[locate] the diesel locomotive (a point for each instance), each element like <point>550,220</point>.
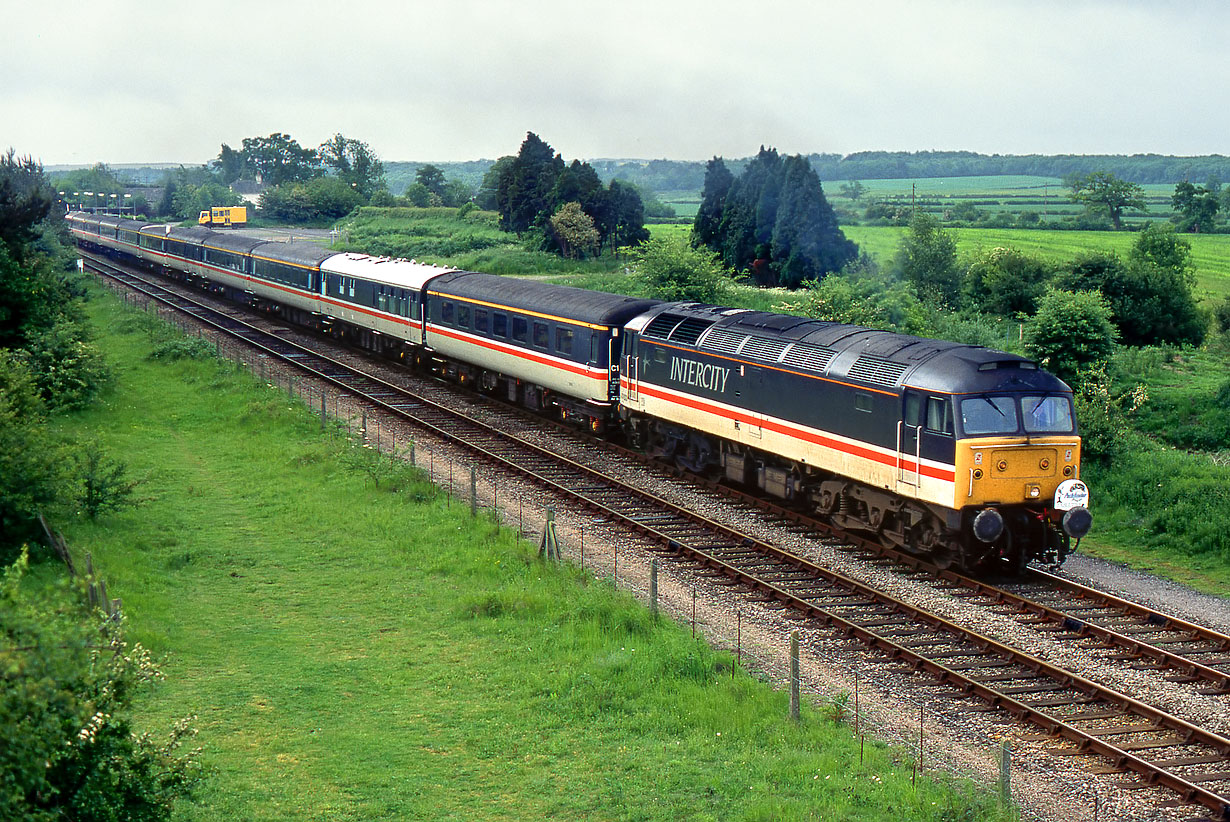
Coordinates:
<point>959,453</point>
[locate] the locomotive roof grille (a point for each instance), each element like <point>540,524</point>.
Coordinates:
<point>689,331</point>
<point>662,325</point>
<point>764,348</point>
<point>877,370</point>
<point>723,341</point>
<point>811,357</point>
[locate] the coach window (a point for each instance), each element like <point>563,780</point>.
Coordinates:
<point>480,320</point>
<point>350,289</point>
<point>542,335</point>
<point>446,312</point>
<point>521,329</point>
<point>563,340</point>
<point>939,415</point>
<point>382,300</point>
<point>499,324</point>
<point>463,316</point>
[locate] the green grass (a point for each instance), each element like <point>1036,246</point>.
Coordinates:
<point>355,653</point>
<point>1210,252</point>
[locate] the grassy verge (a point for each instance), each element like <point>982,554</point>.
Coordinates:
<point>364,653</point>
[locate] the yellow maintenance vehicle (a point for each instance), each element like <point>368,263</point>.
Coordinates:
<point>224,217</point>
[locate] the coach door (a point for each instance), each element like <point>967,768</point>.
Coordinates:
<point>909,439</point>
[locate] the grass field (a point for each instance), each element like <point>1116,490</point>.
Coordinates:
<point>1210,252</point>
<point>355,653</point>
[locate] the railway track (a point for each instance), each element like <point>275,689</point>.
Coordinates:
<point>1135,737</point>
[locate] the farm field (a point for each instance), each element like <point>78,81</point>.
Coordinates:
<point>1210,252</point>
<point>360,652</point>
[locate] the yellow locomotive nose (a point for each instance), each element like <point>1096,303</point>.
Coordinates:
<point>1012,470</point>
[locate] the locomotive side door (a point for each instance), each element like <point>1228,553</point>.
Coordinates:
<point>909,438</point>
<point>632,365</point>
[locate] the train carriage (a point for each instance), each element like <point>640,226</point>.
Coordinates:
<point>381,295</point>
<point>550,347</point>
<point>286,275</point>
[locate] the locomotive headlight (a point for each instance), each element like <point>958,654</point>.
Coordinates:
<point>988,525</point>
<point>1044,463</point>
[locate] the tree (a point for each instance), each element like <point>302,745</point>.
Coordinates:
<point>279,158</point>
<point>1149,294</point>
<point>671,269</point>
<point>523,197</point>
<point>488,190</point>
<point>230,165</point>
<point>1071,331</point>
<point>1103,191</point>
<point>1006,281</point>
<point>718,180</point>
<point>624,216</point>
<point>577,183</point>
<point>574,231</point>
<point>188,201</point>
<point>853,190</point>
<point>927,258</point>
<point>67,744</point>
<point>25,199</point>
<point>1197,205</point>
<point>354,163</point>
<point>31,474</point>
<point>774,222</point>
<point>806,242</point>
<point>431,178</point>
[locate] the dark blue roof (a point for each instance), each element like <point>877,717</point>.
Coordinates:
<point>596,307</point>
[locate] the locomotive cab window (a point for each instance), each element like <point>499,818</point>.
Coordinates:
<point>913,410</point>
<point>989,415</point>
<point>939,415</point>
<point>1047,415</point>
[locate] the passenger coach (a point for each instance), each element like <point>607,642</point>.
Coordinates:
<point>550,347</point>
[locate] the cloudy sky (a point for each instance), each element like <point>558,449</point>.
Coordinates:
<point>170,81</point>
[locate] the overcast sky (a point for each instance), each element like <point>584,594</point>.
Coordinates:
<point>168,81</point>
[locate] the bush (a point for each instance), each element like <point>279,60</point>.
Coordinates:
<point>1104,416</point>
<point>1071,332</point>
<point>67,746</point>
<point>183,348</point>
<point>671,269</point>
<point>68,370</point>
<point>1221,316</point>
<point>1006,281</point>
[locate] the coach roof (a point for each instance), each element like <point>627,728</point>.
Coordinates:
<point>595,307</point>
<point>309,255</point>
